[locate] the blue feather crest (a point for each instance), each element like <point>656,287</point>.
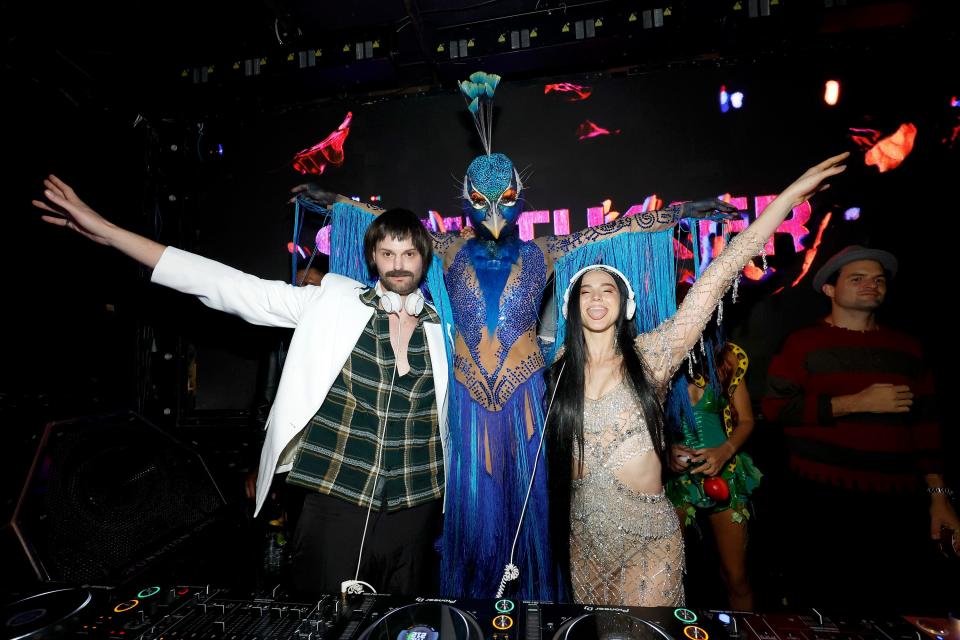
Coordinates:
<point>478,91</point>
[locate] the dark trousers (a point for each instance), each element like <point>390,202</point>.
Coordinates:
<point>398,555</point>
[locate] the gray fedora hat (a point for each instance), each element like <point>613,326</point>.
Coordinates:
<point>851,254</point>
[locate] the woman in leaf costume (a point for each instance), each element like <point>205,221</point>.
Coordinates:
<point>715,477</point>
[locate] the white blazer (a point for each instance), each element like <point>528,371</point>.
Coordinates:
<point>327,322</point>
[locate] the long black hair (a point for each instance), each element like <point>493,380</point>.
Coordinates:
<point>565,422</point>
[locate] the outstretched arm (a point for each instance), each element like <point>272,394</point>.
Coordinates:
<point>314,193</point>
<point>218,286</point>
<point>648,221</point>
<point>65,209</point>
<point>665,348</point>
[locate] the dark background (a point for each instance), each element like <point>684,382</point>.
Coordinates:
<point>111,99</point>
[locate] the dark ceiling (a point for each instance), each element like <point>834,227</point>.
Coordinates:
<point>131,55</point>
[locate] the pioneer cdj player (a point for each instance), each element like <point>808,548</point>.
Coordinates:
<point>156,612</point>
<point>159,612</point>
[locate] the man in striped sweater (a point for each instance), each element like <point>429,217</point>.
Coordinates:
<point>863,441</point>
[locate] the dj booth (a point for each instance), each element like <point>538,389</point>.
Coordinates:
<point>115,501</point>
<point>182,612</point>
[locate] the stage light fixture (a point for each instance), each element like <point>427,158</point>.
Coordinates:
<point>653,18</point>
<point>831,92</point>
<point>730,100</point>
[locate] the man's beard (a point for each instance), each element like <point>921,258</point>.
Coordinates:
<point>389,285</point>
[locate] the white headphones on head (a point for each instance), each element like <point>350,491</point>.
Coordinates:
<point>391,303</point>
<point>631,307</point>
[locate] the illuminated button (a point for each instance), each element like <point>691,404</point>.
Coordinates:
<point>149,591</point>
<point>126,606</point>
<point>695,633</point>
<point>502,622</point>
<point>685,615</point>
<point>724,618</point>
<point>504,606</point>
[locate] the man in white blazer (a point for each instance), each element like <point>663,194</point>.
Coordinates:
<point>360,412</point>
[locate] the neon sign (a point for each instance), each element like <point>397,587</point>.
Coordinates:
<point>710,234</point>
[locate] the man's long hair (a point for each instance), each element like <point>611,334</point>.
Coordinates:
<point>565,423</point>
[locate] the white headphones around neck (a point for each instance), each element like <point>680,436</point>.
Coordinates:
<point>631,307</point>
<point>391,302</point>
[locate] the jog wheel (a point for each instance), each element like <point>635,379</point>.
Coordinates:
<point>608,625</point>
<point>44,615</point>
<point>425,621</point>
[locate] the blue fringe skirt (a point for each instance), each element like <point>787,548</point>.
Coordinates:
<point>492,455</point>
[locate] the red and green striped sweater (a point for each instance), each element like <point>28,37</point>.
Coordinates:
<point>880,452</point>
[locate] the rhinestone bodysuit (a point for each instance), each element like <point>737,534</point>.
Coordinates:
<point>625,547</point>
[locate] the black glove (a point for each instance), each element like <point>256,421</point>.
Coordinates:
<point>713,209</point>
<point>313,192</point>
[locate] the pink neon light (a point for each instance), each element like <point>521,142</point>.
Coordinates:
<point>954,102</point>
<point>437,222</point>
<point>706,229</point>
<point>327,152</point>
<point>529,218</point>
<point>812,251</point>
<point>453,223</point>
<point>570,92</point>
<point>739,223</point>
<point>759,204</point>
<point>795,225</point>
<point>588,129</point>
<point>561,222</point>
<point>323,239</point>
<point>887,154</point>
<point>594,216</point>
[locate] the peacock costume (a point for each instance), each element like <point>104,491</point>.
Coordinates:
<point>487,291</point>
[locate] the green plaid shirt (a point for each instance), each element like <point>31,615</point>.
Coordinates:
<point>339,450</point>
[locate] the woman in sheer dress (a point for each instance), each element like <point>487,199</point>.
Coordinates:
<point>616,535</point>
